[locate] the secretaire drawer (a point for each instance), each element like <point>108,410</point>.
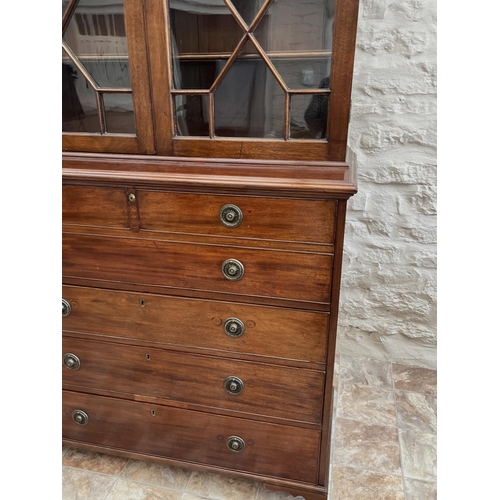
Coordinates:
<point>206,381</point>
<point>207,324</point>
<point>95,206</point>
<point>300,276</point>
<point>309,221</point>
<point>235,443</point>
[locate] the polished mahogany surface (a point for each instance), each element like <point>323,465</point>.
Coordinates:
<point>203,207</point>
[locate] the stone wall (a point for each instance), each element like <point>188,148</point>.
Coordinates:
<point>388,299</point>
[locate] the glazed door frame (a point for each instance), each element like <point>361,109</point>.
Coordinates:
<point>331,149</point>
<point>143,141</point>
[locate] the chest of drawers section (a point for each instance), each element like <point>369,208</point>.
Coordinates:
<point>197,329</point>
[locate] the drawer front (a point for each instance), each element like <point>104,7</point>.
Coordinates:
<point>277,391</point>
<point>271,449</point>
<point>267,273</point>
<point>266,331</point>
<point>105,207</point>
<point>309,221</point>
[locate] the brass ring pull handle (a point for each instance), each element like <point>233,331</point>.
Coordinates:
<point>235,443</point>
<point>66,308</point>
<point>71,361</point>
<point>234,385</point>
<point>233,270</point>
<point>230,215</point>
<point>80,417</point>
<point>234,327</point>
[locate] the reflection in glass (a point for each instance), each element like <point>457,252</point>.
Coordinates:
<point>249,101</point>
<point>96,34</point>
<point>79,106</point>
<point>119,112</point>
<point>297,36</point>
<point>248,9</point>
<point>308,115</point>
<point>191,114</point>
<point>96,38</point>
<point>203,35</point>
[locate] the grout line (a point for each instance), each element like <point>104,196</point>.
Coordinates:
<point>360,356</point>
<point>399,439</point>
<point>128,479</point>
<point>110,489</point>
<point>256,491</point>
<point>416,392</point>
<point>371,471</point>
<point>369,423</point>
<point>91,471</point>
<point>124,467</point>
<point>430,481</point>
<point>187,482</point>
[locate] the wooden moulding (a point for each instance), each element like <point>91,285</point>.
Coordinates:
<point>309,179</point>
<point>309,492</point>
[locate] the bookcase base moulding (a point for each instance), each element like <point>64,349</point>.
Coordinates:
<point>200,303</point>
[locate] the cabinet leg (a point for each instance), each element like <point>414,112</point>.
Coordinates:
<point>300,492</point>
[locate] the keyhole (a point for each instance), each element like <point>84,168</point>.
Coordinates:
<point>143,303</point>
<point>148,357</point>
<point>153,412</point>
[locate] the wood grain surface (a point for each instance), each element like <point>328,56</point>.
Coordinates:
<point>164,320</point>
<point>279,274</point>
<point>310,221</point>
<point>271,449</point>
<point>279,391</point>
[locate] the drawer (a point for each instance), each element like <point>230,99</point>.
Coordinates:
<point>308,221</point>
<point>265,331</point>
<point>267,390</point>
<point>297,276</point>
<point>105,207</point>
<point>192,436</point>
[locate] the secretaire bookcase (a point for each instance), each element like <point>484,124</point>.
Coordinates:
<point>204,195</point>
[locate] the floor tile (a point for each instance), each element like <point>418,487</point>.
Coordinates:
<point>415,379</point>
<point>220,487</point>
<point>416,412</point>
<point>189,496</point>
<point>130,490</point>
<point>64,450</point>
<point>79,484</point>
<point>372,405</point>
<point>373,447</point>
<point>96,462</point>
<point>153,473</point>
<point>357,484</point>
<point>336,367</point>
<point>264,494</point>
<point>420,490</point>
<point>365,371</point>
<point>418,455</point>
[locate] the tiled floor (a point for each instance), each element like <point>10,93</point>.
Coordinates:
<point>384,448</point>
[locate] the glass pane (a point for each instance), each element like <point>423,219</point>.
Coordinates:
<point>191,115</point>
<point>204,35</point>
<point>308,116</point>
<point>249,101</point>
<point>79,106</point>
<point>96,34</point>
<point>248,9</point>
<point>119,111</point>
<point>297,36</point>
